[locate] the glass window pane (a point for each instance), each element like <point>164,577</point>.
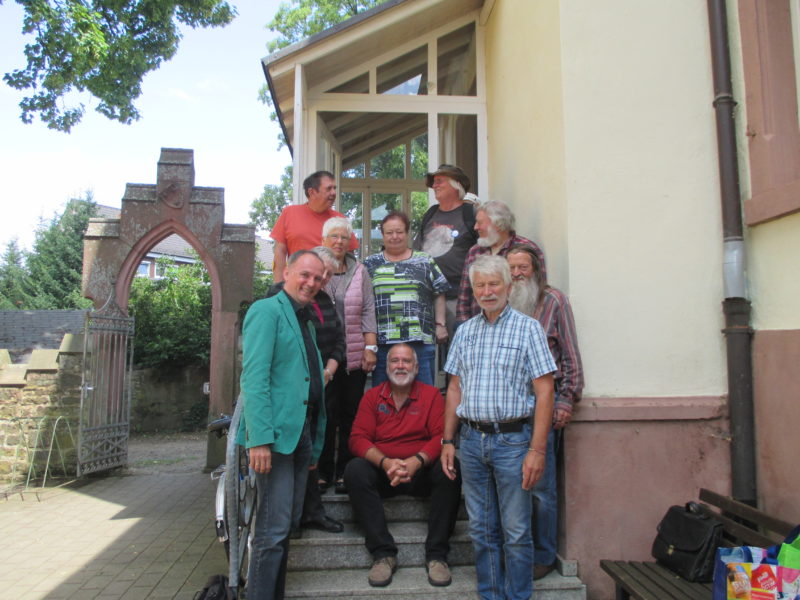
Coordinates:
<point>419,157</point>
<point>382,205</point>
<point>356,172</point>
<point>357,85</point>
<point>456,70</point>
<point>419,204</point>
<point>458,145</point>
<point>389,165</point>
<point>406,75</point>
<point>351,205</point>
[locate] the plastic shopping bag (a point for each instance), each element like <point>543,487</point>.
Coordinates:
<point>752,573</point>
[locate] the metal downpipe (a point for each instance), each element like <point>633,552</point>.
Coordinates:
<point>736,307</point>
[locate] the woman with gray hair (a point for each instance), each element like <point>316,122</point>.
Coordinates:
<point>350,287</point>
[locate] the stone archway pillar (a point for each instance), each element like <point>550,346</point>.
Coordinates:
<point>114,248</point>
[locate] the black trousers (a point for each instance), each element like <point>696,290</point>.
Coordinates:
<point>368,485</point>
<point>342,397</point>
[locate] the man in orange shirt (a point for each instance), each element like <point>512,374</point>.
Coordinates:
<point>299,227</point>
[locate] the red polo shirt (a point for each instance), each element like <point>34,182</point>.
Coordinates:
<point>300,228</point>
<point>416,427</point>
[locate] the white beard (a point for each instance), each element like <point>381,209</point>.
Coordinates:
<point>524,293</point>
<point>492,237</point>
<point>401,380</point>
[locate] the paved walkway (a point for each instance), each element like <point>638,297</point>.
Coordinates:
<point>128,537</point>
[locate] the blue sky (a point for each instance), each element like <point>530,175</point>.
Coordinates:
<point>205,99</point>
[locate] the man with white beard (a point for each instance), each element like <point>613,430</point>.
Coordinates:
<point>494,223</point>
<point>395,442</point>
<point>531,295</point>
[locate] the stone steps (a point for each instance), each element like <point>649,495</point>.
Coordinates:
<point>412,583</point>
<point>324,566</point>
<point>321,550</point>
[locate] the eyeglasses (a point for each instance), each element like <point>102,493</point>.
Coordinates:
<point>337,238</point>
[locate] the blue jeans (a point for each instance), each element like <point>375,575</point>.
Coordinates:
<point>426,357</point>
<point>278,508</point>
<point>545,508</point>
<point>499,512</point>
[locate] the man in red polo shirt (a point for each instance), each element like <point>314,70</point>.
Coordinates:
<point>299,226</point>
<point>395,442</point>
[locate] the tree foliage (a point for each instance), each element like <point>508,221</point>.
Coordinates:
<point>299,19</point>
<point>55,264</point>
<point>13,279</point>
<point>266,209</point>
<point>49,276</point>
<point>103,47</point>
<point>173,316</point>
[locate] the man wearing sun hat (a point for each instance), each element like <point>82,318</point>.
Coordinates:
<point>447,230</point>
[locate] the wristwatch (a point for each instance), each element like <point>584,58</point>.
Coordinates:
<point>444,441</point>
<point>371,348</point>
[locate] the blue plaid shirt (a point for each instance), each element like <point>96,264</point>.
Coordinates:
<point>496,363</point>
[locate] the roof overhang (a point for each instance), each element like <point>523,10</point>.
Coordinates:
<point>346,45</point>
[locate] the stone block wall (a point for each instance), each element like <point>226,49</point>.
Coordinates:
<point>170,400</point>
<point>33,396</point>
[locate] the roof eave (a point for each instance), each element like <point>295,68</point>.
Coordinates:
<point>279,55</point>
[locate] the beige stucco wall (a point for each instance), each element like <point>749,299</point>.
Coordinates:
<point>774,273</point>
<point>525,124</point>
<point>609,161</point>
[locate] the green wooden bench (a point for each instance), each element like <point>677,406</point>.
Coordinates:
<point>743,526</point>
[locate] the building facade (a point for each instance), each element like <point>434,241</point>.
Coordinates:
<point>595,122</point>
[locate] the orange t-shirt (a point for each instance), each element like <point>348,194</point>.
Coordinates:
<point>300,228</point>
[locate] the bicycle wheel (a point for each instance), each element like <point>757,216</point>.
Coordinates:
<point>246,514</point>
<point>240,502</point>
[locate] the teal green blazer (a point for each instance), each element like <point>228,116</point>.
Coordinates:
<point>275,378</point>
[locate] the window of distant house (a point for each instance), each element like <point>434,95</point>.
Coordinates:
<point>144,269</point>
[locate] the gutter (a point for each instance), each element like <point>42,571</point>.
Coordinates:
<point>735,306</point>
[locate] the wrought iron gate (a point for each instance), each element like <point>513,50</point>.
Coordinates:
<point>105,389</point>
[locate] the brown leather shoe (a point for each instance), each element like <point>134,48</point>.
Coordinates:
<point>380,575</point>
<point>438,573</point>
<point>540,571</point>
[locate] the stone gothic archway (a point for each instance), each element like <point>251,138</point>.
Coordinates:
<point>113,249</point>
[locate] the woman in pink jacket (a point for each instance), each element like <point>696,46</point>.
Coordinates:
<point>351,290</point>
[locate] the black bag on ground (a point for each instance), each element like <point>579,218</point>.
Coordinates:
<point>216,589</point>
<point>687,542</point>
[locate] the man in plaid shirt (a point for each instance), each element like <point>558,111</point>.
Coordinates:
<point>531,295</point>
<point>494,360</point>
<point>494,223</point>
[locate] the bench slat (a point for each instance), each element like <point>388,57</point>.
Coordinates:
<point>729,505</point>
<point>622,574</point>
<point>650,581</point>
<point>674,584</point>
<point>744,535</point>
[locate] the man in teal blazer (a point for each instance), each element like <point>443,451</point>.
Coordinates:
<point>284,416</point>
